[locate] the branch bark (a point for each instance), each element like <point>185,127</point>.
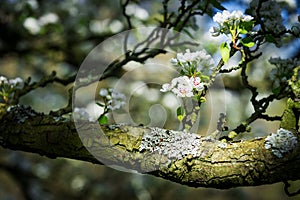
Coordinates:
<point>205,163</point>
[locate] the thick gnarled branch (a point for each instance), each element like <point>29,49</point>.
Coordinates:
<point>180,157</point>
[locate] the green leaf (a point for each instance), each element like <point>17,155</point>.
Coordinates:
<point>225,52</point>
<point>232,134</point>
<point>182,73</point>
<point>247,42</point>
<point>245,27</point>
<point>204,78</point>
<point>180,113</point>
<point>103,120</point>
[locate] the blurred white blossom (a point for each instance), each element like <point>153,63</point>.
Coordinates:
<point>137,11</point>
<point>113,99</point>
<point>117,100</point>
<point>81,114</point>
<point>103,92</point>
<point>3,80</point>
<point>49,18</point>
<point>34,25</point>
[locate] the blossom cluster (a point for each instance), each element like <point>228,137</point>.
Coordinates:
<point>194,67</point>
<point>199,61</point>
<point>281,142</point>
<point>114,100</point>
<point>199,58</point>
<point>183,86</point>
<point>228,21</point>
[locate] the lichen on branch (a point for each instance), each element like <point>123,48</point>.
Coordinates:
<point>180,157</point>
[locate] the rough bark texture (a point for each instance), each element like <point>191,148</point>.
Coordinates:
<point>208,163</point>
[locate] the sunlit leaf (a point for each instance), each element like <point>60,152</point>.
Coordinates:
<point>245,27</point>
<point>180,113</point>
<point>202,99</point>
<point>225,52</point>
<point>232,134</point>
<point>103,120</point>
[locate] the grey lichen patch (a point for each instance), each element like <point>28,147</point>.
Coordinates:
<point>19,113</point>
<point>281,142</point>
<point>117,126</point>
<point>172,144</point>
<point>63,118</point>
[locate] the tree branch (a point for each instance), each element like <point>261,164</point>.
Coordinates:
<point>183,157</point>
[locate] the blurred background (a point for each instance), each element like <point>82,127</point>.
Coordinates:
<point>38,37</point>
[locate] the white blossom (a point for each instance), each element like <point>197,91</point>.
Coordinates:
<point>190,57</point>
<point>201,60</point>
<point>166,87</point>
<point>183,91</point>
<point>32,25</point>
<point>197,83</point>
<point>49,18</point>
<point>137,11</point>
<point>115,99</point>
<point>16,82</point>
<point>184,86</point>
<point>228,19</point>
<point>103,92</point>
